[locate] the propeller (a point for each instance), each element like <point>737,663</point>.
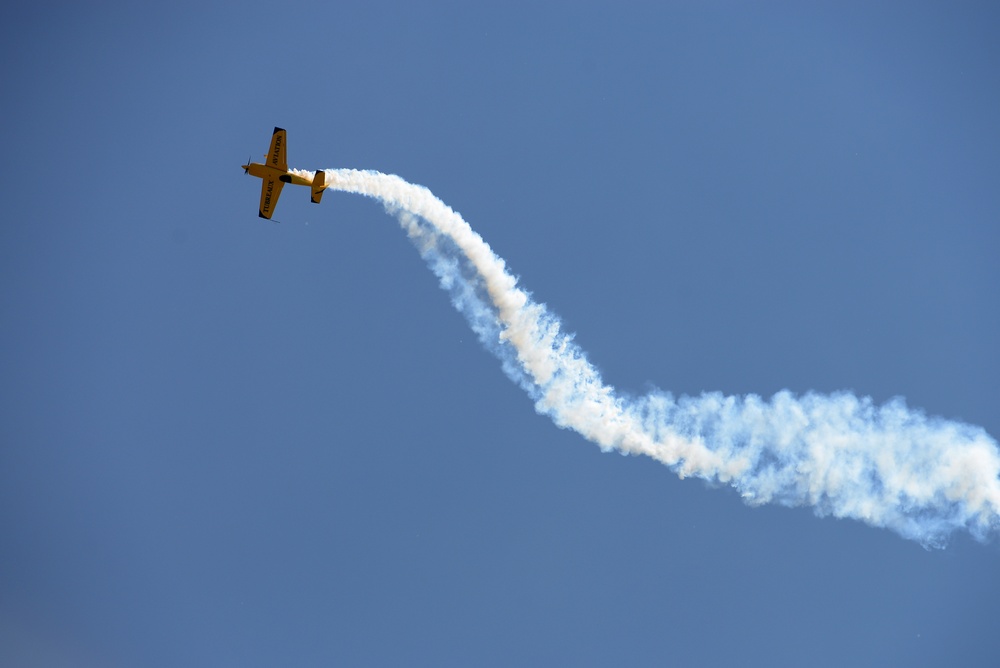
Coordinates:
<point>246,170</point>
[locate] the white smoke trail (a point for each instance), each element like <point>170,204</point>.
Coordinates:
<point>889,466</point>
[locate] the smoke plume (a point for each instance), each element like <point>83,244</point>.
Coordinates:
<point>887,465</point>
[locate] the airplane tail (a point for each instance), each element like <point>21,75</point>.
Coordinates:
<point>318,186</point>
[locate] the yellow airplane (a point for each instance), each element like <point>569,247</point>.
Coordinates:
<point>275,175</point>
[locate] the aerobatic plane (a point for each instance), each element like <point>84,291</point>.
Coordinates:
<point>274,174</point>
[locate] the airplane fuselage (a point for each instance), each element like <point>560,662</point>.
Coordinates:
<point>269,173</point>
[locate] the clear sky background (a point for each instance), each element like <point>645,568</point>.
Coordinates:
<point>225,441</point>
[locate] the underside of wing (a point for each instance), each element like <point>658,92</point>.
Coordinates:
<point>270,189</point>
<point>276,157</point>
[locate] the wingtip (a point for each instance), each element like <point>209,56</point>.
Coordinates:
<point>277,130</point>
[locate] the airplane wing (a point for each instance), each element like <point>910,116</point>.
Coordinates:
<point>270,190</point>
<point>276,156</point>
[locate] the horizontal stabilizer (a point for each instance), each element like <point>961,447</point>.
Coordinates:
<point>318,186</point>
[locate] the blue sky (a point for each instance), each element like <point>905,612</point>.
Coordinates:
<point>232,442</point>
